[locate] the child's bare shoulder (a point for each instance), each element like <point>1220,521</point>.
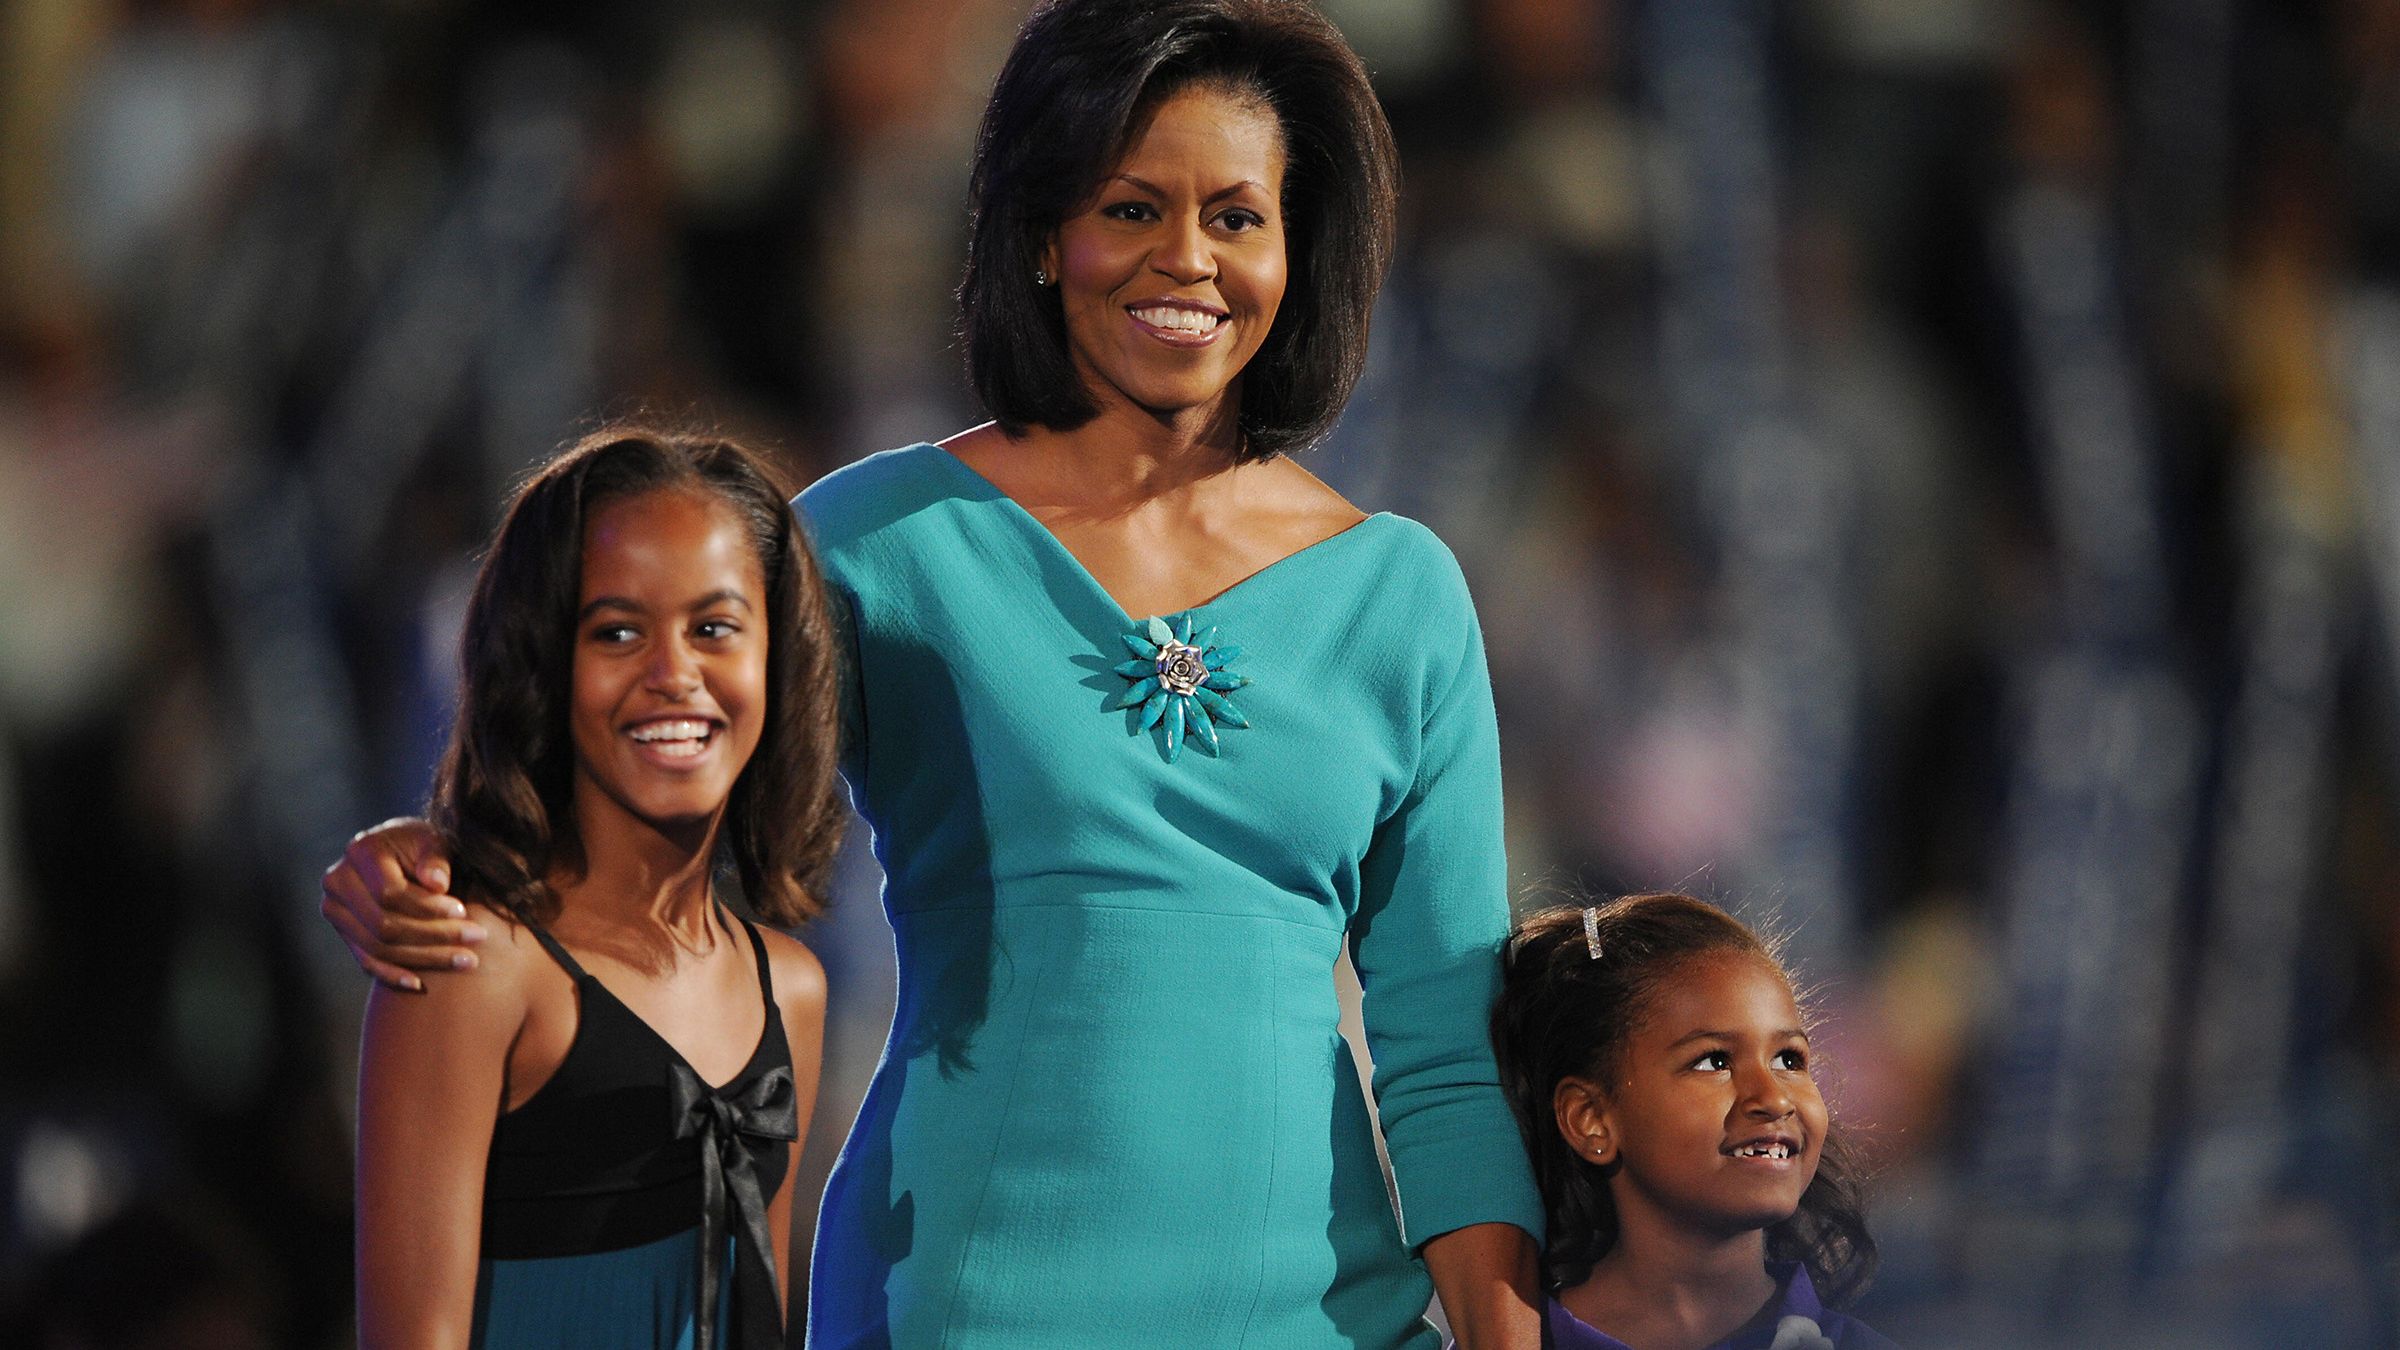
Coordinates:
<point>799,976</point>
<point>507,959</point>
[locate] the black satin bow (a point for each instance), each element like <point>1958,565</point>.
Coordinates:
<point>764,1110</point>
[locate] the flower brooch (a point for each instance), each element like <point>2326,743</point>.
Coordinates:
<point>1181,681</point>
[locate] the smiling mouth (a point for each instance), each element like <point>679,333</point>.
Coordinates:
<point>1178,323</point>
<point>1773,1150</point>
<point>675,738</point>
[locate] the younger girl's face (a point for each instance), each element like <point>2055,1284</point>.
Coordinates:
<point>670,661</point>
<point>1712,1113</point>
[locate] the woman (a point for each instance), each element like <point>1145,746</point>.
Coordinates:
<point>1149,722</point>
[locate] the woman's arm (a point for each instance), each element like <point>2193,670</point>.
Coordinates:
<point>1487,1277</point>
<point>431,1077</point>
<point>1433,910</point>
<point>389,899</point>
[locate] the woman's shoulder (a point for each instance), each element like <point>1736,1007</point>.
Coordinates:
<point>874,492</point>
<point>1397,550</point>
<point>1413,544</point>
<point>1413,585</point>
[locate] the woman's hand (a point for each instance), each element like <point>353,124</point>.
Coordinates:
<point>389,898</point>
<point>1490,1290</point>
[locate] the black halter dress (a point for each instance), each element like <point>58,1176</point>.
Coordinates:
<point>625,1202</point>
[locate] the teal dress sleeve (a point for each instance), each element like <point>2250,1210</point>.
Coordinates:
<point>1433,909</point>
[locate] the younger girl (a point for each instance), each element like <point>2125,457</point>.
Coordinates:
<point>583,1142</point>
<point>1659,1067</point>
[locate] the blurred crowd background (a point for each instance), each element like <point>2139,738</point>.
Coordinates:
<point>1929,469</point>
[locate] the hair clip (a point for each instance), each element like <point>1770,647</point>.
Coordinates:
<point>1591,930</point>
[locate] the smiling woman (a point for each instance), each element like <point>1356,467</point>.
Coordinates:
<point>1242,725</point>
<point>1170,276</point>
<point>1081,89</point>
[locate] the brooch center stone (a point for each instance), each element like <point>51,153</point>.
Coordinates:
<point>1181,668</point>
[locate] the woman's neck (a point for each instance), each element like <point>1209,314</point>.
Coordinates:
<point>1127,457</point>
<point>1669,1290</point>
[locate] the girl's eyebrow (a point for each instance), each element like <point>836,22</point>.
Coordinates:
<point>601,602</point>
<point>722,595</point>
<point>1783,1034</point>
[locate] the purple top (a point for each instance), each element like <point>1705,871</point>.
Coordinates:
<point>1795,1296</point>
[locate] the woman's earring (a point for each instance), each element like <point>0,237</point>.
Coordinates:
<point>1040,277</point>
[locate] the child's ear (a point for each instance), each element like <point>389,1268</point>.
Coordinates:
<point>1584,1120</point>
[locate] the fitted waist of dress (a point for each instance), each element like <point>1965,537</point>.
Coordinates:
<point>1118,979</point>
<point>1204,900</point>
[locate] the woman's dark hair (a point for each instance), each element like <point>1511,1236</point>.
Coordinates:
<point>1076,90</point>
<point>503,797</point>
<point>1564,1014</point>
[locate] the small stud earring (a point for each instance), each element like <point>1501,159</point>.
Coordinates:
<point>1040,277</point>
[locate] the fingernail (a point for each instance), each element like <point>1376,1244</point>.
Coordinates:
<point>414,985</point>
<point>463,961</point>
<point>439,876</point>
<point>471,933</point>
<point>457,910</point>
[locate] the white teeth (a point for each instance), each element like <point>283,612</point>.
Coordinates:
<point>1179,319</point>
<point>680,730</point>
<point>1776,1151</point>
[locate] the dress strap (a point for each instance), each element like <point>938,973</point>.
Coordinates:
<point>758,949</point>
<point>557,952</point>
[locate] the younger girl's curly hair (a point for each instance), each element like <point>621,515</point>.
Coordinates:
<point>503,797</point>
<point>1564,1013</point>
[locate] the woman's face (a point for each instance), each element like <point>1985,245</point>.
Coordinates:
<point>670,674</point>
<point>1171,273</point>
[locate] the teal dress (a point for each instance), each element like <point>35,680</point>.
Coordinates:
<point>1115,1106</point>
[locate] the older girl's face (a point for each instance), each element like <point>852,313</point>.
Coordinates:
<point>1170,275</point>
<point>670,672</point>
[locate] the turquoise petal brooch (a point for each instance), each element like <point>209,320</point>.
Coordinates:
<point>1180,680</point>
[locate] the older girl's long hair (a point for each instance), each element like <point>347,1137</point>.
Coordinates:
<point>1564,1014</point>
<point>503,797</point>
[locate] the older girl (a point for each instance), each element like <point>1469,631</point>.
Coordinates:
<point>583,1142</point>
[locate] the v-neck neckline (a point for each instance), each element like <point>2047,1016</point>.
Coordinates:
<point>1125,617</point>
<point>749,1066</point>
